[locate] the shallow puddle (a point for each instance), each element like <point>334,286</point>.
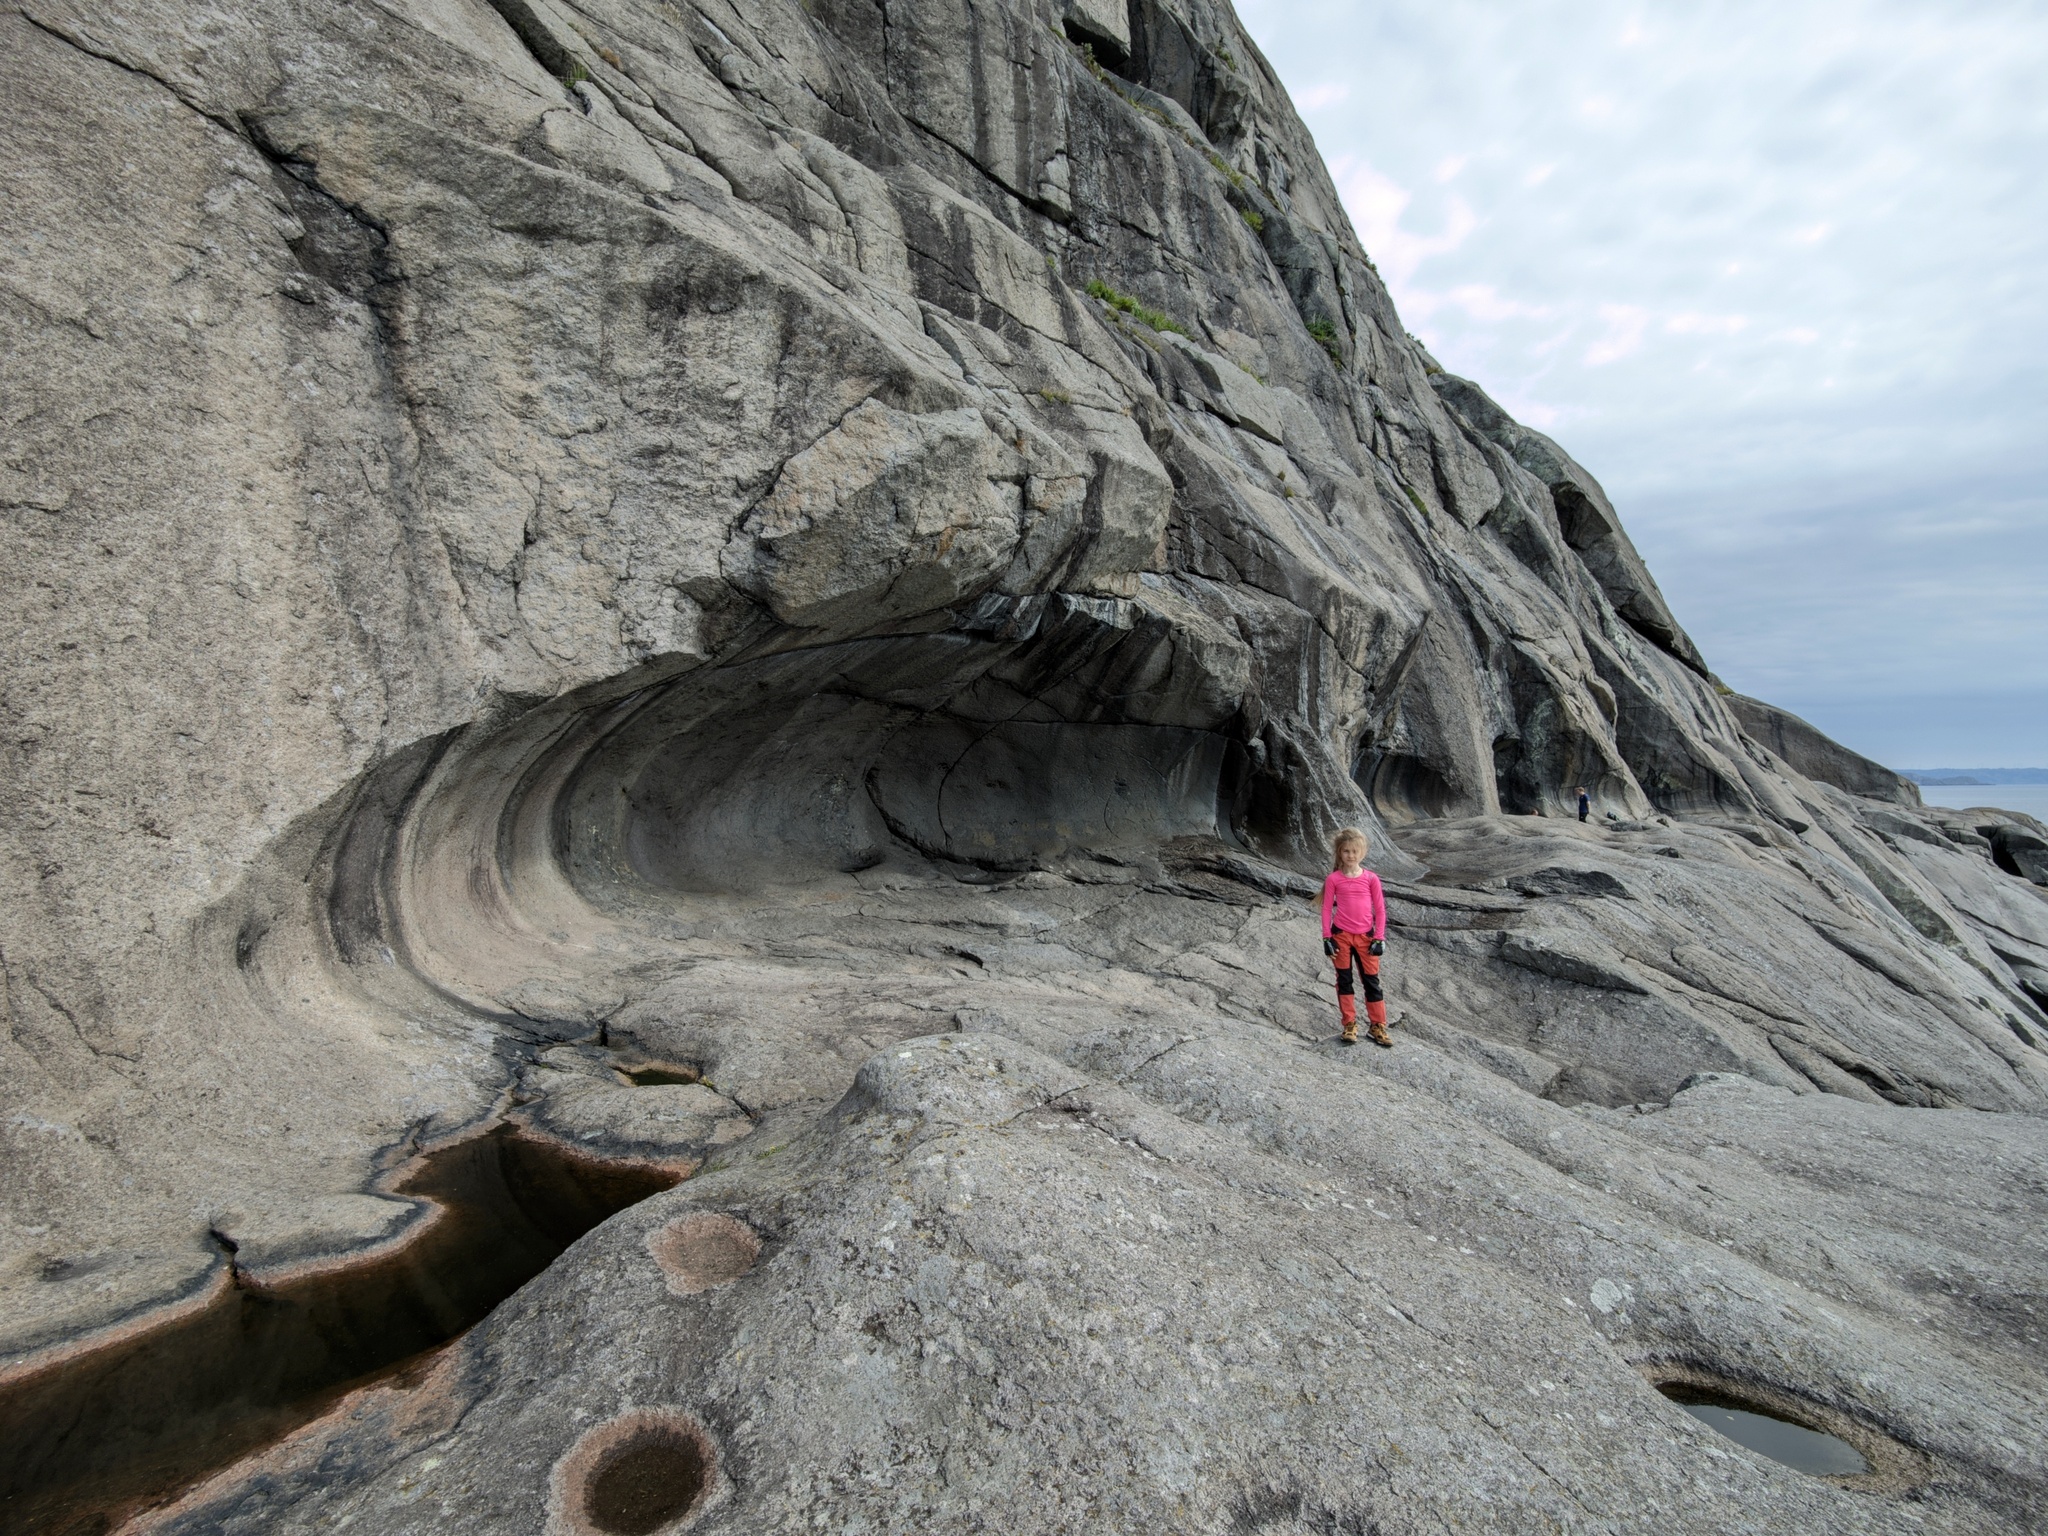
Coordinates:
<point>1800,1448</point>
<point>95,1438</point>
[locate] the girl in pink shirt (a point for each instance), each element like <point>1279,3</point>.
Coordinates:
<point>1354,934</point>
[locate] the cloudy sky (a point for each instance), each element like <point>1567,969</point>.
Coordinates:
<point>1774,271</point>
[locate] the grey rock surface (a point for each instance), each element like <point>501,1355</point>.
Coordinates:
<point>2022,850</point>
<point>850,560</point>
<point>1808,751</point>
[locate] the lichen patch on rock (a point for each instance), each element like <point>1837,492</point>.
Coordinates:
<point>703,1250</point>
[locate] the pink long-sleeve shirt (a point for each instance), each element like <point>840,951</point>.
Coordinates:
<point>1354,903</point>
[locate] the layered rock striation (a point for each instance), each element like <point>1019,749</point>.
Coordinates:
<point>794,593</point>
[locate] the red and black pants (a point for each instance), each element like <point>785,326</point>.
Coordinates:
<point>1354,952</point>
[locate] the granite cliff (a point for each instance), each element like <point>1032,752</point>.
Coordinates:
<point>787,596</point>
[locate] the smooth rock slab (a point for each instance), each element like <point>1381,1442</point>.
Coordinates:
<point>986,1271</point>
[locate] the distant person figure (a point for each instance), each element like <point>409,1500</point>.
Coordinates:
<point>1354,934</point>
<point>1585,803</point>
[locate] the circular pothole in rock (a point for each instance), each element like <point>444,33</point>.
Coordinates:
<point>1794,1430</point>
<point>640,1474</point>
<point>702,1250</point>
<point>1798,1446</point>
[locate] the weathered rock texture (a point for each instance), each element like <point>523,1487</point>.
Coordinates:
<point>864,549</point>
<point>1807,751</point>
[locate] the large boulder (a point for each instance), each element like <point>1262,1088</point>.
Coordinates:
<point>2022,850</point>
<point>1818,756</point>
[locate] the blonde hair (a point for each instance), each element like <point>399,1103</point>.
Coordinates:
<point>1348,835</point>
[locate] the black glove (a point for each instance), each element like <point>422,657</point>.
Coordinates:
<point>1377,947</point>
<point>1330,948</point>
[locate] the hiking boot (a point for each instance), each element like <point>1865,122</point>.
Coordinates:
<point>1378,1036</point>
<point>1349,1037</point>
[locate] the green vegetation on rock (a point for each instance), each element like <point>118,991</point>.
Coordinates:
<point>1098,289</point>
<point>1230,173</point>
<point>1325,334</point>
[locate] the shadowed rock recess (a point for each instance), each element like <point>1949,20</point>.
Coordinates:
<point>792,593</point>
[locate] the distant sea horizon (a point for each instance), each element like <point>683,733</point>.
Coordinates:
<point>2024,790</point>
<point>1976,775</point>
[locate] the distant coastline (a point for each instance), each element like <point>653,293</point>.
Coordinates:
<point>2014,791</point>
<point>1955,776</point>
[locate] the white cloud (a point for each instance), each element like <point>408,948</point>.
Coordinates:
<point>1625,326</point>
<point>1706,325</point>
<point>1377,204</point>
<point>1483,301</point>
<point>1318,98</point>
